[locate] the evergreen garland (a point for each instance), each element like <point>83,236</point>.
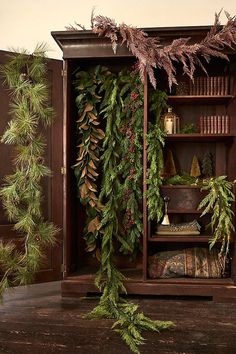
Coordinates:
<point>130,167</point>
<point>155,144</point>
<point>219,201</point>
<point>88,100</point>
<point>121,109</point>
<point>25,76</point>
<point>109,279</point>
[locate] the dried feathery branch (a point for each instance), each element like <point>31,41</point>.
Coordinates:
<point>73,28</point>
<point>151,55</point>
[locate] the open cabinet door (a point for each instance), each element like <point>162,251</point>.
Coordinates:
<point>52,187</point>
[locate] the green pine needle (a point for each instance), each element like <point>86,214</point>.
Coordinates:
<point>25,76</point>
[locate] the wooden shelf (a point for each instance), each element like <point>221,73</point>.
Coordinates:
<point>180,238</point>
<point>184,211</point>
<point>179,186</point>
<point>200,99</point>
<point>199,137</point>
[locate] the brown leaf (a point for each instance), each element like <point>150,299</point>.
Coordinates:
<point>83,191</point>
<point>84,172</point>
<point>91,247</point>
<point>92,203</point>
<point>94,225</point>
<point>93,196</point>
<point>101,133</point>
<point>95,174</point>
<point>84,126</point>
<point>91,177</point>
<point>91,186</point>
<point>81,118</point>
<point>94,140</point>
<point>91,164</point>
<point>98,133</point>
<point>95,122</point>
<point>88,108</point>
<point>92,117</point>
<point>81,154</point>
<point>93,156</point>
<point>92,146</point>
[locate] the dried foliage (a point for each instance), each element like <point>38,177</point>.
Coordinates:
<point>151,55</point>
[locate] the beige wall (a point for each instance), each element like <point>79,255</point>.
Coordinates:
<point>23,23</point>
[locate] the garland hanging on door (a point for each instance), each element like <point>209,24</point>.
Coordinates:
<point>21,193</point>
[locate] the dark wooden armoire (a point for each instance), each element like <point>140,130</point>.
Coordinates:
<point>210,97</point>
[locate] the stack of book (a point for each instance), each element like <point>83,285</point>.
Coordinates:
<point>209,86</point>
<point>215,124</point>
<point>188,228</point>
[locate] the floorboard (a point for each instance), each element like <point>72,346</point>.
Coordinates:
<point>36,320</point>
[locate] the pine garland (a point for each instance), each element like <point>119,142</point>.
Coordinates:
<point>219,200</point>
<point>155,144</point>
<point>22,192</point>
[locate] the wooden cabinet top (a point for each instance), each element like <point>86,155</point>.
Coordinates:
<point>86,44</point>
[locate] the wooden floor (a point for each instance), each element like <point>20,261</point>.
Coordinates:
<point>35,320</point>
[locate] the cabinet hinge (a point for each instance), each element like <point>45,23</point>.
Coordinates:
<point>63,268</point>
<point>63,73</point>
<point>63,170</point>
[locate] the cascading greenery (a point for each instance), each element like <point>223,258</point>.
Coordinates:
<point>121,110</point>
<point>21,194</point>
<point>88,101</point>
<point>155,145</point>
<point>219,201</point>
<point>130,166</point>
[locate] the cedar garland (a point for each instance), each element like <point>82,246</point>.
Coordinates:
<point>155,145</point>
<point>130,166</point>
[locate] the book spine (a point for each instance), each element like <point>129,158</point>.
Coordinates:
<point>219,130</point>
<point>201,128</point>
<point>215,124</point>
<point>205,85</point>
<point>201,87</point>
<point>208,125</point>
<point>227,125</point>
<point>219,85</point>
<point>204,125</point>
<point>215,87</point>
<point>211,124</point>
<point>226,85</point>
<point>223,124</point>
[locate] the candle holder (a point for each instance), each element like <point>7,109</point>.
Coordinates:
<point>166,220</point>
<point>171,122</point>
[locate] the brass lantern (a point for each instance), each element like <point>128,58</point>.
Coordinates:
<point>171,122</point>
